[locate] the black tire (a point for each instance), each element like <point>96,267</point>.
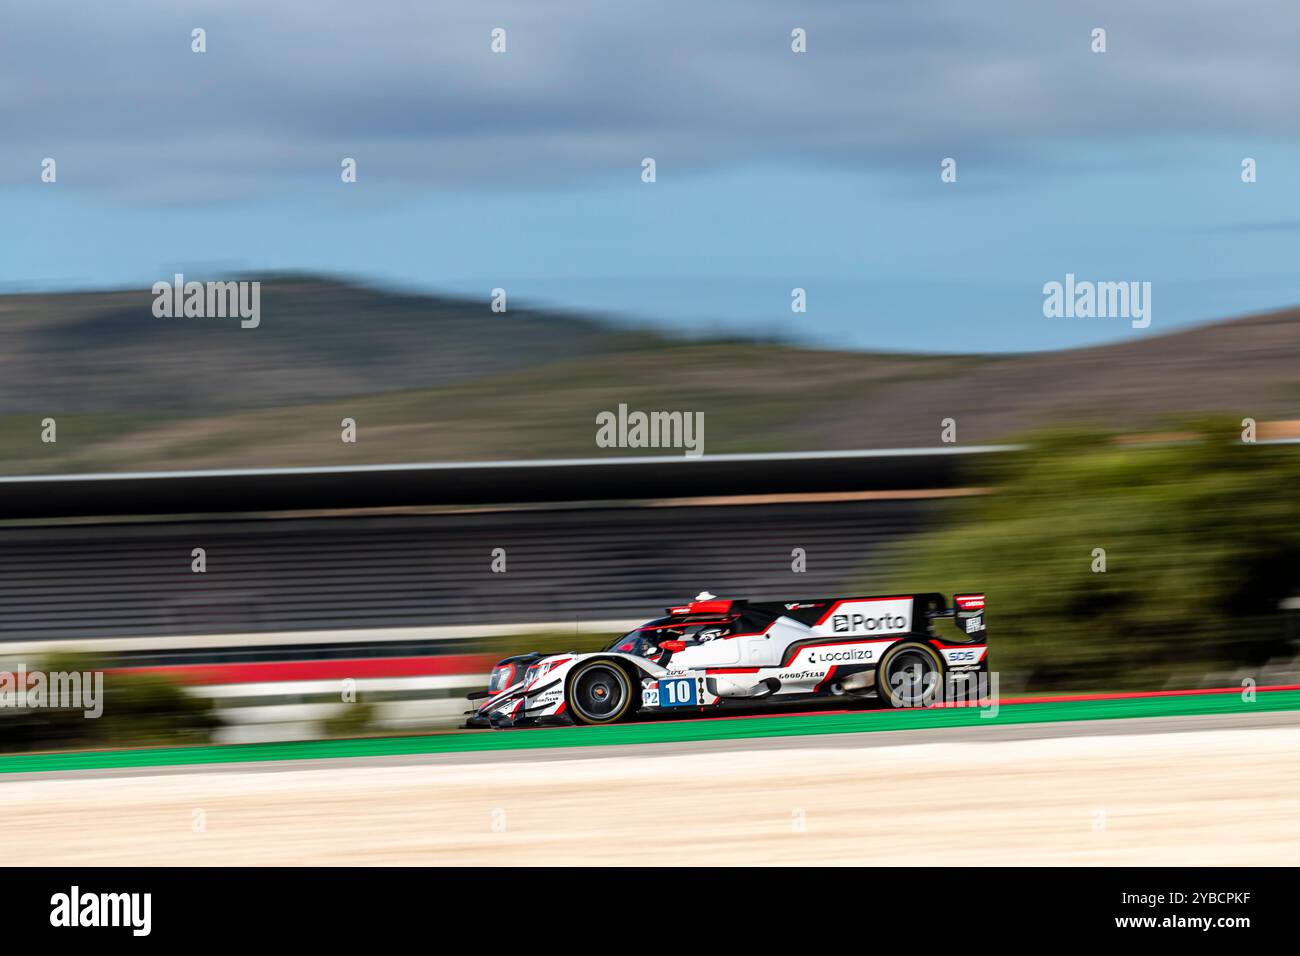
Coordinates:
<point>910,675</point>
<point>599,692</point>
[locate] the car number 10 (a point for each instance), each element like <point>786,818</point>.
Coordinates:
<point>677,692</point>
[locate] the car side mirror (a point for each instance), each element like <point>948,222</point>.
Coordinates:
<point>673,646</point>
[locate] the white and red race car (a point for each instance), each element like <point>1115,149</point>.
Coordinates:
<point>712,655</point>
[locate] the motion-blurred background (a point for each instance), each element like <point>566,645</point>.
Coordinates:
<point>799,270</point>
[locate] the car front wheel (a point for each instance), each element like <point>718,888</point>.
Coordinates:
<point>599,693</point>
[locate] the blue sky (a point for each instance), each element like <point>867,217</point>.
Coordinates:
<point>775,170</point>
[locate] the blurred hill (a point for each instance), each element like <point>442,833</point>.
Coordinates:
<point>319,339</point>
<point>434,378</point>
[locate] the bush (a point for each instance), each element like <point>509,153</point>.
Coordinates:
<point>138,710</point>
<point>353,720</point>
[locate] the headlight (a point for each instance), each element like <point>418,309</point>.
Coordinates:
<point>502,677</point>
<point>541,669</point>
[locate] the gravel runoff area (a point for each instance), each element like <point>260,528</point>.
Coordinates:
<point>1208,794</point>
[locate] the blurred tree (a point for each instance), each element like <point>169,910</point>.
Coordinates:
<point>1201,540</point>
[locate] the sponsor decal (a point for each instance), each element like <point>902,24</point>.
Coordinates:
<point>958,657</point>
<point>853,623</point>
<point>840,655</point>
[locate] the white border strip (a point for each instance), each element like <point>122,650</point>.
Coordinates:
<point>289,638</point>
<point>538,464</point>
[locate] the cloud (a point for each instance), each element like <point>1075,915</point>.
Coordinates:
<point>586,89</point>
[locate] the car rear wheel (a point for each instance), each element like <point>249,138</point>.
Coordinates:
<point>599,693</point>
<point>910,675</point>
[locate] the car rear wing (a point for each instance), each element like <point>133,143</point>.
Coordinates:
<point>968,612</point>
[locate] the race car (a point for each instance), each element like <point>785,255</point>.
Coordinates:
<point>713,655</point>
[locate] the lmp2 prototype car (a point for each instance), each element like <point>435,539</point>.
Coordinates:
<point>712,655</point>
